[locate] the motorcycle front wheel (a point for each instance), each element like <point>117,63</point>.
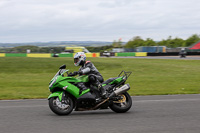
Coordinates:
<point>122,105</point>
<point>61,108</point>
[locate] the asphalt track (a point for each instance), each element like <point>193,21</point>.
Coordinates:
<point>149,114</point>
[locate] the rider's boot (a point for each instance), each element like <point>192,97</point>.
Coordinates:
<point>103,90</point>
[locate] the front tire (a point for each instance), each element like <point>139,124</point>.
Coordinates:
<point>61,108</point>
<point>123,105</point>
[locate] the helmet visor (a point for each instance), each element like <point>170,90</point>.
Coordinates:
<point>76,60</point>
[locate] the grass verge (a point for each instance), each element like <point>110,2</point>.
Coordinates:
<point>22,77</point>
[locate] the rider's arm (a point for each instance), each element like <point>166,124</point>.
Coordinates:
<point>87,69</point>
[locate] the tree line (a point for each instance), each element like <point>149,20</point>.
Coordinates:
<point>137,41</point>
<point>133,43</point>
<point>33,49</point>
<point>169,42</point>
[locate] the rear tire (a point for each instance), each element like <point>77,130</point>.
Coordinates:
<point>60,108</point>
<point>123,105</point>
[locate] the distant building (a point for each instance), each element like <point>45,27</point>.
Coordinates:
<point>152,49</point>
<point>118,50</point>
<point>75,50</point>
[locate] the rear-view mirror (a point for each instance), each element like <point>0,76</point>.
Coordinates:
<point>62,67</point>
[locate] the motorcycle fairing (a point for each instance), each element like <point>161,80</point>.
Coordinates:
<point>65,84</point>
<point>56,94</point>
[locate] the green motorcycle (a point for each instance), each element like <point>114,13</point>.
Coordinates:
<point>66,96</point>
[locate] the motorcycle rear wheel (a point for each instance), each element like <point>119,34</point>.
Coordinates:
<point>61,108</point>
<point>123,105</point>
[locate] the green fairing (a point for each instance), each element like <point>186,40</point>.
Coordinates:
<point>56,94</point>
<point>65,83</point>
<point>116,81</point>
<point>83,78</point>
<point>104,85</point>
<point>59,94</point>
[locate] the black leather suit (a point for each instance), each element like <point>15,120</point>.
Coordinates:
<point>95,78</point>
<point>89,69</point>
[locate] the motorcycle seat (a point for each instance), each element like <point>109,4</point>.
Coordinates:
<point>109,80</point>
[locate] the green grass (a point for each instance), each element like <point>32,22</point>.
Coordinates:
<point>22,77</point>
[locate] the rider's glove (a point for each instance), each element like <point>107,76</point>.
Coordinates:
<point>75,73</point>
<point>78,72</point>
<point>71,74</point>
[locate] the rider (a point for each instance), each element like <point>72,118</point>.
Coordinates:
<point>88,68</point>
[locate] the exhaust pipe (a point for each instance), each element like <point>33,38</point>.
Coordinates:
<point>120,90</point>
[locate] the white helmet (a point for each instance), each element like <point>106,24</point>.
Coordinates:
<point>79,58</point>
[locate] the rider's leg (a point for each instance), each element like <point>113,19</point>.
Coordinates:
<point>95,80</point>
<point>82,87</point>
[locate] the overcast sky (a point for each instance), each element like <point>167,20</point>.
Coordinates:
<point>97,20</point>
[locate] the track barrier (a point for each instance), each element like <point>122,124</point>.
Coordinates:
<point>2,54</point>
<point>131,54</point>
<point>48,55</point>
<point>39,55</point>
